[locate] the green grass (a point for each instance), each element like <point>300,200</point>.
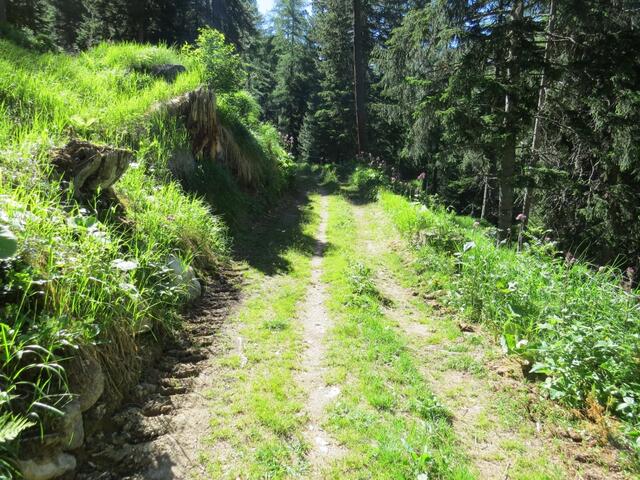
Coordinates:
<point>574,324</point>
<point>459,366</point>
<point>96,94</point>
<point>386,416</point>
<point>256,412</point>
<point>92,275</point>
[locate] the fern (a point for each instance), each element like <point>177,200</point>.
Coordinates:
<point>11,426</point>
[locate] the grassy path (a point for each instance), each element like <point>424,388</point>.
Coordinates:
<point>316,321</point>
<point>489,412</point>
<point>333,368</point>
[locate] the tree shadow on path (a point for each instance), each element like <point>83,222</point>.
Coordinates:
<point>264,242</point>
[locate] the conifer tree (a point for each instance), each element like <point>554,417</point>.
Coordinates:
<point>329,130</point>
<point>295,68</point>
<point>3,11</point>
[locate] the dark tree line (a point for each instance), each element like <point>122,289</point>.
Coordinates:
<point>533,102</point>
<point>515,109</point>
<point>77,24</point>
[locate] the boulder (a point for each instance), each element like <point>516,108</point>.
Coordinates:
<point>194,289</point>
<point>168,71</point>
<point>66,433</point>
<point>86,379</point>
<point>93,418</point>
<point>91,167</point>
<point>47,468</point>
<point>186,278</point>
<point>71,426</point>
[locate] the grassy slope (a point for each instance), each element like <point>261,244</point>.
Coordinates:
<point>574,325</point>
<point>84,275</point>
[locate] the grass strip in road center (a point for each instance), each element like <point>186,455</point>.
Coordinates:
<point>386,416</point>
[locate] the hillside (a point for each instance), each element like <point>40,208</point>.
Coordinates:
<point>86,273</point>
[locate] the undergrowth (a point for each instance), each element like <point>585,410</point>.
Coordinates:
<point>575,326</point>
<point>84,274</point>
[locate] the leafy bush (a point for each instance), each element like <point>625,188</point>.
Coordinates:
<point>222,67</point>
<point>242,105</point>
<point>253,149</point>
<point>364,182</point>
<point>576,325</point>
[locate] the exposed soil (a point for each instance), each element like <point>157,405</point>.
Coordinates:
<point>158,431</point>
<point>316,322</point>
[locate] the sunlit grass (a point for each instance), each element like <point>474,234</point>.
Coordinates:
<point>386,415</point>
<point>256,412</point>
<point>575,324</point>
<point>88,275</point>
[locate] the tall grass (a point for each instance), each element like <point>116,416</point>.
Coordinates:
<point>97,94</point>
<point>97,274</point>
<point>575,325</point>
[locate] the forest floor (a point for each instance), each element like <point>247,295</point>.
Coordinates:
<point>332,364</point>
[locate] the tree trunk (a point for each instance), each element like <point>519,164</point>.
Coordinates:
<point>217,15</point>
<point>90,167</point>
<point>537,125</point>
<point>485,197</point>
<point>506,173</point>
<point>359,75</point>
<point>507,167</point>
<point>3,11</point>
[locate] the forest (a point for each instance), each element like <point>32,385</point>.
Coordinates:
<point>332,239</point>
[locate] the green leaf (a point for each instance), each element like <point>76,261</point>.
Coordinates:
<point>82,221</point>
<point>8,243</point>
<point>540,367</point>
<point>11,426</point>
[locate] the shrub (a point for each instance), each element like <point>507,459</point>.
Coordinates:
<point>364,182</point>
<point>222,67</point>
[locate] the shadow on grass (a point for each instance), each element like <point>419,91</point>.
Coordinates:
<point>359,196</point>
<point>264,241</point>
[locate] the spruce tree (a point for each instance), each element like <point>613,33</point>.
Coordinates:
<point>329,130</point>
<point>295,68</point>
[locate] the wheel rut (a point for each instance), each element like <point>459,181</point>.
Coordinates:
<point>316,321</point>
<point>160,428</point>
